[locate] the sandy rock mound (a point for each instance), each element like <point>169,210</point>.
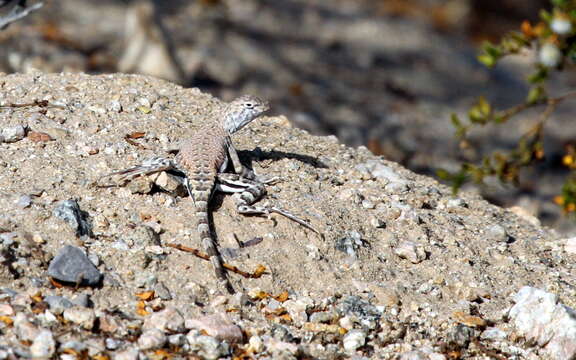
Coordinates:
<point>403,266</point>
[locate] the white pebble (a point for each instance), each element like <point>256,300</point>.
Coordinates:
<point>354,339</point>
<point>151,339</point>
<point>44,345</point>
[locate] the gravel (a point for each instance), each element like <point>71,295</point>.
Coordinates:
<point>463,261</point>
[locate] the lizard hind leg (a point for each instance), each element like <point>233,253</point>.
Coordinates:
<point>148,166</point>
<point>247,192</point>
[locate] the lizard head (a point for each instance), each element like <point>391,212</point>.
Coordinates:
<point>243,110</point>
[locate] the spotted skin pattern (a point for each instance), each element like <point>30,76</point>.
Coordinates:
<point>206,154</point>
<point>203,158</point>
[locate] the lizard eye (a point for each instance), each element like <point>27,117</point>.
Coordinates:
<point>249,105</point>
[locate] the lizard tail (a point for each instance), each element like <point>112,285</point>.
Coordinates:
<point>209,244</point>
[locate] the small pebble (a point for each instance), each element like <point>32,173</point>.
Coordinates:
<point>497,234</point>
<point>455,203</point>
<point>377,223</point>
<point>540,318</point>
<point>43,345</point>
<point>70,212</point>
<point>177,339</point>
<point>297,311</point>
<point>493,333</point>
<point>162,291</point>
<point>108,323</point>
<point>410,251</point>
<point>218,326</point>
<point>356,306</point>
<point>82,300</point>
<point>82,316</point>
<point>75,346</point>
<point>346,322</point>
<point>73,266</point>
<point>206,346</point>
<point>350,244</point>
<point>113,344</point>
<point>130,354</point>
<point>169,320</point>
<point>273,304</point>
<point>281,349</point>
<point>322,317</point>
<point>151,339</point>
<point>24,201</point>
<point>353,340</point>
<point>6,310</point>
<point>13,134</point>
<point>255,344</point>
<point>58,304</point>
<point>25,330</point>
<point>141,237</point>
<point>367,204</point>
<point>114,106</point>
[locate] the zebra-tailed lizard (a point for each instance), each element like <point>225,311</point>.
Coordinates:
<point>203,158</point>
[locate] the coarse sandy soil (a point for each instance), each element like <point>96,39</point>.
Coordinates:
<point>384,74</point>
<point>429,262</point>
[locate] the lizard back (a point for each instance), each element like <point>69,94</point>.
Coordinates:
<point>201,157</point>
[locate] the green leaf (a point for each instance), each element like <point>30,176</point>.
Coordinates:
<point>475,115</point>
<point>484,106</point>
<point>535,94</point>
<point>491,50</point>
<point>455,121</point>
<point>559,3</point>
<point>539,76</point>
<point>519,39</point>
<point>499,119</point>
<point>444,174</point>
<point>545,15</point>
<point>487,60</point>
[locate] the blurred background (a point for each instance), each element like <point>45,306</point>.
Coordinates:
<point>385,74</point>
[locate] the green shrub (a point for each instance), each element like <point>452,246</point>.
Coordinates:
<point>554,39</point>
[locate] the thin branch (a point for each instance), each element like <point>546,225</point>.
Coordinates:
<point>255,275</point>
<point>39,103</point>
<point>17,13</point>
<point>549,102</point>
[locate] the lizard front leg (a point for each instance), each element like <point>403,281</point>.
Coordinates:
<point>242,170</point>
<point>239,169</point>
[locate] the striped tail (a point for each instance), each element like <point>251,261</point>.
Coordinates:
<point>201,202</point>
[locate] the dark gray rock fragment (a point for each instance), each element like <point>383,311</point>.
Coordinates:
<point>162,291</point>
<point>58,304</point>
<point>460,335</point>
<point>281,333</point>
<point>69,211</point>
<point>362,309</point>
<point>350,244</point>
<point>82,300</point>
<point>72,265</point>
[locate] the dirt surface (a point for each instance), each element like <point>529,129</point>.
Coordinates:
<point>384,74</point>
<point>429,262</point>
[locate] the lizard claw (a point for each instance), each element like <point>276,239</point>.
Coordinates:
<point>269,181</point>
